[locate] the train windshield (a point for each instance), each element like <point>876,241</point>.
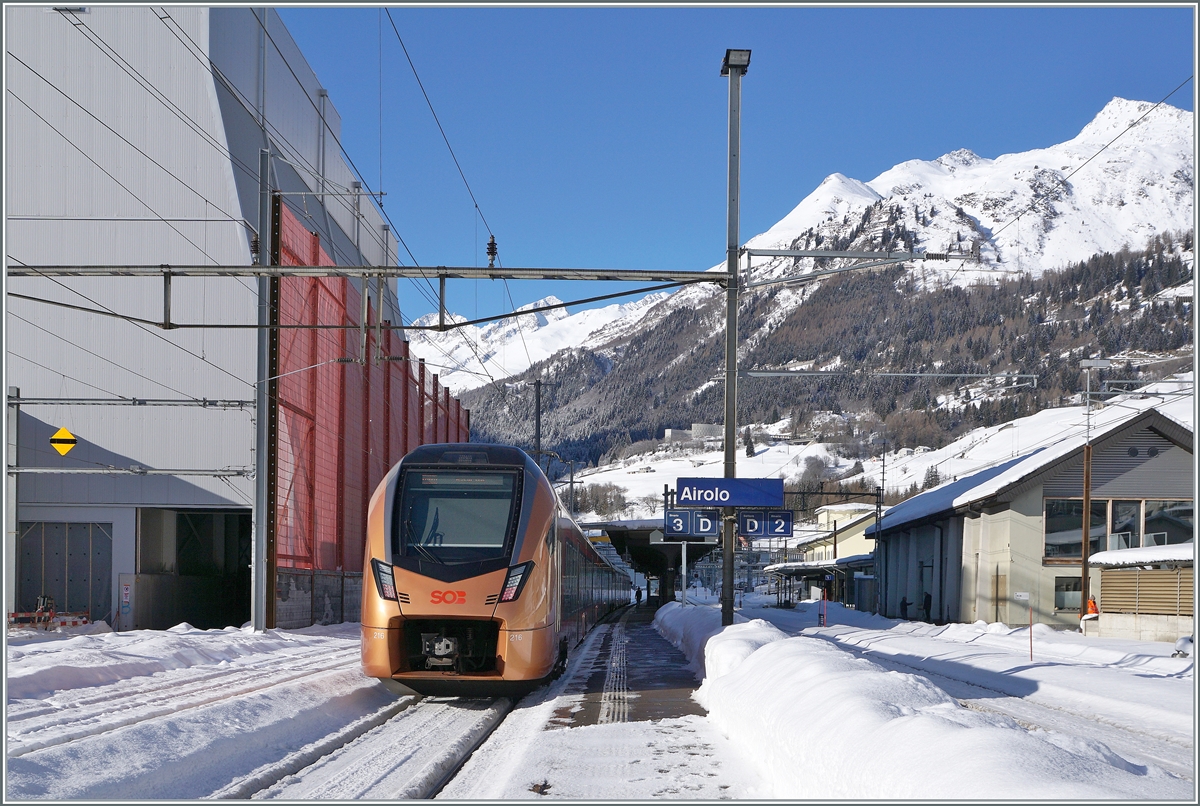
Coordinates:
<point>456,516</point>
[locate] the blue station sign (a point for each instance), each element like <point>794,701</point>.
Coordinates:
<point>729,492</point>
<point>685,523</point>
<point>764,523</point>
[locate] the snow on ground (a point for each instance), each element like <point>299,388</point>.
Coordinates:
<point>928,710</point>
<point>685,757</point>
<point>180,713</point>
<point>863,707</point>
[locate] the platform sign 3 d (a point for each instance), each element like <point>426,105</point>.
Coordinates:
<point>688,524</point>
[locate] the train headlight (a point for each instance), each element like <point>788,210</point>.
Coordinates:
<point>515,581</point>
<point>385,581</point>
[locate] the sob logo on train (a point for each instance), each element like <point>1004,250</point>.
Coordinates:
<point>448,597</point>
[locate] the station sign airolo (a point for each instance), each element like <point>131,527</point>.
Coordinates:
<point>722,492</point>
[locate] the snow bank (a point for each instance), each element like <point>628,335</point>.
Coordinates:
<point>40,663</point>
<point>808,703</point>
<point>688,629</point>
<point>860,732</point>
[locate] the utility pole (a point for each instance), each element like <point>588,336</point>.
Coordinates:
<point>13,414</point>
<point>1087,364</point>
<point>262,402</point>
<point>734,65</point>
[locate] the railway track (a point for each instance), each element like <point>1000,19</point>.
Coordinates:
<point>41,724</point>
<point>411,755</point>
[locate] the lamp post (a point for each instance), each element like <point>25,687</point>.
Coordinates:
<point>1087,364</point>
<point>734,65</point>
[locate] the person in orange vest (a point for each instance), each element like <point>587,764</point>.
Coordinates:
<point>1093,609</point>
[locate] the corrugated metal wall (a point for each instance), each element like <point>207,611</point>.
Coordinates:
<point>1139,463</point>
<point>133,137</point>
<point>1158,591</point>
<point>114,153</point>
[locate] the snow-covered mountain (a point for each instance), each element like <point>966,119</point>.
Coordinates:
<point>1126,177</point>
<point>1110,186</point>
<point>471,356</point>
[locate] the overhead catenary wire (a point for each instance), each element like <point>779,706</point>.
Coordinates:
<point>439,123</point>
<point>152,90</point>
<point>100,308</point>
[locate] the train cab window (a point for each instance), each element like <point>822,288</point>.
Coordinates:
<point>452,516</point>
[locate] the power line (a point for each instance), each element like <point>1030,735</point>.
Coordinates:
<point>125,140</point>
<point>139,326</point>
<point>149,86</point>
<point>438,122</point>
<point>119,183</point>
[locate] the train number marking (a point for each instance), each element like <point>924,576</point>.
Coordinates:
<point>379,636</point>
<point>448,597</point>
<point>516,636</point>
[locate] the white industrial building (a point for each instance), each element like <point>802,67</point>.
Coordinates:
<point>132,137</point>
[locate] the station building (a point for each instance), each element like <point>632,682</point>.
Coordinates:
<point>1005,544</point>
<point>133,138</point>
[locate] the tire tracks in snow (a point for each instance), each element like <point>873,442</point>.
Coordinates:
<point>99,713</point>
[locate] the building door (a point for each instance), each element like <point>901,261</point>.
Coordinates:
<point>72,562</point>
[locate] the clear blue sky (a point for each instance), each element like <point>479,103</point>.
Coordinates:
<point>596,137</point>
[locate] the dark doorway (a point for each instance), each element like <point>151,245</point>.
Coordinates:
<point>193,566</point>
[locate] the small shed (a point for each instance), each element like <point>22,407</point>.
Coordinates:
<point>1148,593</point>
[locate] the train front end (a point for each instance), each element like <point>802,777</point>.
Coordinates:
<point>461,576</point>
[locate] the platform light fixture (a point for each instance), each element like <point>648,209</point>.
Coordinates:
<point>736,59</point>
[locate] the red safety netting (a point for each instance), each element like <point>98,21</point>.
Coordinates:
<point>341,426</point>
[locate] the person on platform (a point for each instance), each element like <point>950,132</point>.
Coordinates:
<point>638,595</point>
<point>927,606</point>
<point>904,603</point>
<point>1092,608</point>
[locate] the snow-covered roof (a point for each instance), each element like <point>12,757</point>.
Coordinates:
<point>1145,555</point>
<point>812,565</point>
<point>945,496</point>
<point>991,481</point>
<point>857,506</point>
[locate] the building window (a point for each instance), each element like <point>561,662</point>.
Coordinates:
<point>1115,525</point>
<point>1066,593</point>
<point>1168,522</point>
<point>1064,526</point>
<point>1126,529</point>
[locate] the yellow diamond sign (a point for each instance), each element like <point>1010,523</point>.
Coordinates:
<point>63,440</point>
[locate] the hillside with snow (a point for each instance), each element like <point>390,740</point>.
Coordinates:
<point>641,476</point>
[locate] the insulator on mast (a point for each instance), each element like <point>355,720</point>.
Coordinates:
<point>491,252</point>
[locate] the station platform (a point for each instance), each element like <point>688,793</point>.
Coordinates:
<point>635,675</point>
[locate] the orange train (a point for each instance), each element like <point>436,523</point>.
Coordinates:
<point>476,581</point>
